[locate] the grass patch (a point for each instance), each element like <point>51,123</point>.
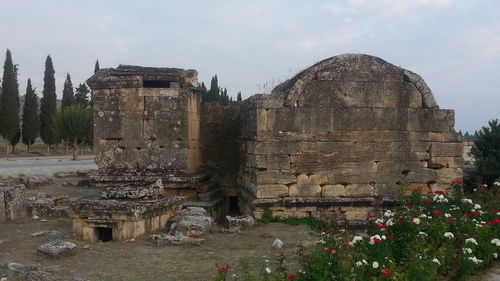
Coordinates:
<point>314,224</point>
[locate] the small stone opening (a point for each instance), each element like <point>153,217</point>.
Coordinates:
<point>156,84</point>
<point>104,234</point>
<point>234,210</point>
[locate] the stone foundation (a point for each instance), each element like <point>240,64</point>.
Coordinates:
<point>122,219</point>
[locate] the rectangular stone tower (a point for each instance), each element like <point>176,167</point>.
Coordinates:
<point>146,124</point>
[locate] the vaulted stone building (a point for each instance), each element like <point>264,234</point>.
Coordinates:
<point>337,141</point>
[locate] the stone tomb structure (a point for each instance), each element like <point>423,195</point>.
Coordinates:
<point>338,139</point>
<point>146,140</point>
<point>334,142</point>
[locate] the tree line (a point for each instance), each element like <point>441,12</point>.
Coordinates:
<point>44,120</point>
<point>217,94</point>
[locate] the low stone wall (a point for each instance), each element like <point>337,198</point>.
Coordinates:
<point>12,202</point>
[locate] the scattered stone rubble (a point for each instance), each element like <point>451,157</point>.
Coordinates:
<point>189,226</point>
<point>17,271</point>
<point>12,202</point>
<point>238,223</point>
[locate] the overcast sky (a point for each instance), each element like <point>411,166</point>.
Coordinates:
<point>253,45</point>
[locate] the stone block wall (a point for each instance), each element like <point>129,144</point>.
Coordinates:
<point>12,202</point>
<point>143,128</point>
<point>348,129</point>
<point>220,146</point>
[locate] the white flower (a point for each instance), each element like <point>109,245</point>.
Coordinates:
<point>423,234</point>
<point>467,200</point>
<point>436,261</point>
<point>495,255</point>
<point>390,222</point>
<point>359,263</point>
<point>475,260</point>
<point>416,220</point>
<point>477,206</point>
<point>379,221</point>
<point>467,250</point>
<point>375,264</point>
<point>356,239</point>
<point>322,241</point>
<point>423,216</point>
<point>449,235</point>
<point>388,213</point>
<point>383,237</point>
<point>446,215</point>
<point>268,270</point>
<point>471,240</point>
<point>496,242</point>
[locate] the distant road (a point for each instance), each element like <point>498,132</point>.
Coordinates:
<point>44,165</point>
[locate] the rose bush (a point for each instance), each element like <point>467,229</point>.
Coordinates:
<point>428,237</point>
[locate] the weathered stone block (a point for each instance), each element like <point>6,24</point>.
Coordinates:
<point>347,94</point>
<point>273,177</point>
<point>446,149</point>
<point>359,190</point>
<point>305,190</point>
<point>333,190</point>
<point>370,119</point>
<point>272,191</point>
<point>448,175</point>
<point>431,120</point>
<point>107,125</point>
<point>402,95</point>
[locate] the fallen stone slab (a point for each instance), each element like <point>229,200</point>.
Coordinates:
<point>194,211</point>
<point>240,222</point>
<point>193,226</point>
<point>39,233</point>
<point>57,248</point>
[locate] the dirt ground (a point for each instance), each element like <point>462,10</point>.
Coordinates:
<point>141,260</point>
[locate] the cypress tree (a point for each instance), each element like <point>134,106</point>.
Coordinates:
<point>238,97</point>
<point>213,93</point>
<point>31,122</point>
<point>96,67</point>
<point>68,97</point>
<point>204,92</point>
<point>48,105</point>
<point>9,106</point>
<point>81,95</point>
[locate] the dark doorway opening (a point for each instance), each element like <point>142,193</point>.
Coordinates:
<point>234,210</point>
<point>104,234</point>
<point>156,84</point>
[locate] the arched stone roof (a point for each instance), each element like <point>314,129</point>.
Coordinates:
<point>351,68</point>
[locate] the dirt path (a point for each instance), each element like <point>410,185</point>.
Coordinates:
<point>44,165</point>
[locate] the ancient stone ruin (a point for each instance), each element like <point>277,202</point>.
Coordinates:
<point>12,203</point>
<point>337,141</point>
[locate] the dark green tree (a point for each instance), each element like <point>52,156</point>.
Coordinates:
<point>31,121</point>
<point>213,94</point>
<point>96,67</point>
<point>68,97</point>
<point>238,97</point>
<point>9,105</point>
<point>82,92</point>
<point>74,125</point>
<point>48,107</point>
<point>486,151</point>
<point>204,92</point>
